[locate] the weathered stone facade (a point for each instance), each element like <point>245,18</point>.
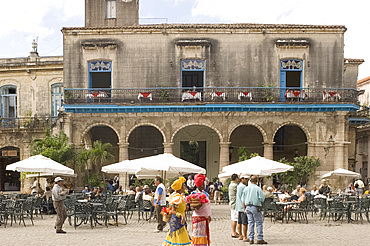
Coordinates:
<point>227,55</point>
<point>29,81</point>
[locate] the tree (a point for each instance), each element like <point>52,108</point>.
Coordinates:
<point>55,147</point>
<point>303,168</point>
<point>99,153</point>
<point>243,154</point>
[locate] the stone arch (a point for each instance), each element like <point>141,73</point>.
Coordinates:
<point>14,82</point>
<point>55,81</point>
<point>99,124</point>
<point>304,129</point>
<point>262,131</point>
<point>146,124</point>
<point>197,124</point>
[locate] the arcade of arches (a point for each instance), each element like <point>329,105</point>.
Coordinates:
<point>212,140</point>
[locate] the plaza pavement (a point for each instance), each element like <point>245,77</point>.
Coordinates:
<point>141,233</point>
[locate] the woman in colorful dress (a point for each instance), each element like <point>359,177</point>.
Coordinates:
<point>177,235</point>
<point>201,216</point>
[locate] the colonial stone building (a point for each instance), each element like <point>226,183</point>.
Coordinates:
<point>31,91</point>
<point>201,91</point>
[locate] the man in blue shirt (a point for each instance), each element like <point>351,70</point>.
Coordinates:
<point>252,202</point>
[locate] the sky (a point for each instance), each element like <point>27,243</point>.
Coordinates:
<point>44,19</point>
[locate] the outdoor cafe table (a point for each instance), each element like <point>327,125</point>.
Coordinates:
<point>96,206</point>
<point>283,207</point>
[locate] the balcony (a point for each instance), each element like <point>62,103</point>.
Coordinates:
<point>26,122</point>
<point>209,95</point>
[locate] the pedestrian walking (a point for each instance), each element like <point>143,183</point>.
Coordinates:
<point>59,195</point>
<point>177,235</point>
<point>252,202</point>
<point>159,202</point>
<point>217,188</point>
<point>201,215</point>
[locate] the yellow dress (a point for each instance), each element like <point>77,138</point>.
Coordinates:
<point>177,234</point>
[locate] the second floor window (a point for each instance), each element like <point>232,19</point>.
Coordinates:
<point>56,98</point>
<point>8,101</point>
<point>111,9</point>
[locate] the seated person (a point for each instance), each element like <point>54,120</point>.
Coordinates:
<point>296,193</point>
<point>95,193</point>
<point>137,194</point>
<point>85,190</point>
<point>148,199</point>
<point>320,195</point>
<point>301,198</point>
<point>325,187</point>
<point>268,192</point>
<point>314,190</point>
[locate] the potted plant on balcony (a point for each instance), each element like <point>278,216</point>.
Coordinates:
<point>165,97</point>
<point>268,94</point>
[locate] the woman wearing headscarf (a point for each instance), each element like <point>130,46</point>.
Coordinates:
<point>177,235</point>
<point>201,215</point>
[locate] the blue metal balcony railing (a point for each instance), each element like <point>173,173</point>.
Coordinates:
<point>210,95</point>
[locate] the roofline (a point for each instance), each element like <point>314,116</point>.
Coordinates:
<point>342,28</point>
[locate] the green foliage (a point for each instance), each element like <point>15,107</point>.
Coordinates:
<point>269,93</point>
<point>55,147</point>
<point>244,154</point>
<point>94,181</point>
<point>226,185</point>
<point>303,168</point>
<point>164,95</point>
<point>99,153</point>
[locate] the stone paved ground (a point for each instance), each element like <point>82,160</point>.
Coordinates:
<point>141,233</point>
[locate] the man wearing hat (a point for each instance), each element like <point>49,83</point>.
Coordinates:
<point>59,195</point>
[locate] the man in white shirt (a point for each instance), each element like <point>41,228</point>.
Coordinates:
<point>159,202</point>
<point>190,184</point>
<point>359,186</point>
<point>59,195</point>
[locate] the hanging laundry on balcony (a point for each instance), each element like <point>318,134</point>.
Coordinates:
<point>95,94</point>
<point>188,95</point>
<point>145,95</point>
<point>327,95</point>
<point>218,94</point>
<point>245,94</point>
<point>295,95</point>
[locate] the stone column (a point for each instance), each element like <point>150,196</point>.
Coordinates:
<point>123,155</point>
<point>268,150</point>
<point>68,128</point>
<point>224,155</point>
<point>123,151</point>
<point>168,148</point>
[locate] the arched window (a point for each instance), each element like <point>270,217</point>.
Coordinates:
<point>8,95</point>
<point>56,98</point>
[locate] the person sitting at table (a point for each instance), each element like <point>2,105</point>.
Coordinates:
<point>148,199</point>
<point>131,192</point>
<point>137,194</point>
<point>314,190</point>
<point>301,198</point>
<point>325,187</point>
<point>95,193</point>
<point>350,190</point>
<point>85,190</point>
<point>119,191</point>
<point>296,192</point>
<point>320,195</point>
<point>268,192</point>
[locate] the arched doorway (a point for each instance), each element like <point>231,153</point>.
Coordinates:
<point>9,180</point>
<point>290,141</point>
<point>145,141</point>
<point>105,134</point>
<point>248,137</point>
<point>199,145</point>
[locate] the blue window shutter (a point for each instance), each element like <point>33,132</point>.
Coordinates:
<point>282,84</point>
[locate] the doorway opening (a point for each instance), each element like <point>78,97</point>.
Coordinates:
<point>293,79</point>
<point>194,152</point>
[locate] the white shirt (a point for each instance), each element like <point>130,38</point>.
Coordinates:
<point>58,194</point>
<point>162,202</point>
<point>190,183</point>
<point>295,192</point>
<point>314,192</point>
<point>360,184</point>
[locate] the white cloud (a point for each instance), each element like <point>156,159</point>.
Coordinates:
<point>354,15</point>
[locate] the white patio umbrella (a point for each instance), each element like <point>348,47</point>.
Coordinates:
<point>257,166</point>
<point>165,165</point>
<point>40,164</point>
<point>340,172</point>
<point>50,175</point>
